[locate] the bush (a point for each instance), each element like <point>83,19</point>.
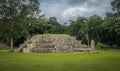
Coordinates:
<point>115,47</point>
<point>102,46</point>
<point>4,46</point>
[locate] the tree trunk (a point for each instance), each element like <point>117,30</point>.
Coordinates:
<point>12,43</point>
<point>27,35</point>
<point>11,34</point>
<point>88,39</point>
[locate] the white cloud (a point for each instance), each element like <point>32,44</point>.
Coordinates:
<point>66,10</point>
<point>74,12</point>
<point>91,7</point>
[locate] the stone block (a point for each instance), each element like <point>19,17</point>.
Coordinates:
<point>26,50</point>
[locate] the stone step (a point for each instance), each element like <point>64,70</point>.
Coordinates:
<point>22,46</point>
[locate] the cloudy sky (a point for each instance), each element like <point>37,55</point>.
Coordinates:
<point>66,10</point>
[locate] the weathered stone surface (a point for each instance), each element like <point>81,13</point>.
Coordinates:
<point>92,45</point>
<point>53,43</point>
<point>26,50</point>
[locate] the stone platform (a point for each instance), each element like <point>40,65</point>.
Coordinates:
<point>52,44</point>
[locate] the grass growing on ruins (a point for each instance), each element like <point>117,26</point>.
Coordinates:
<point>53,34</point>
<point>104,61</point>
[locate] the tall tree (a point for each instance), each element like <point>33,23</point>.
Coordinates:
<point>95,27</point>
<point>12,14</point>
<point>31,13</point>
<point>116,8</point>
<point>111,25</point>
<point>79,28</point>
<point>56,27</point>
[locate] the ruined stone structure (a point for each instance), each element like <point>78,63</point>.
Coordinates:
<point>53,43</point>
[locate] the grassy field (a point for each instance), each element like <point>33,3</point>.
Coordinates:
<point>104,61</point>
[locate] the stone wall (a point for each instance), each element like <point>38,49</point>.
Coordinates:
<point>52,43</point>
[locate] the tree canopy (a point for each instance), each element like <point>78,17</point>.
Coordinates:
<point>13,14</point>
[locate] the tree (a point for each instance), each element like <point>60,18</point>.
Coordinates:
<point>40,26</point>
<point>12,14</point>
<point>79,28</point>
<point>9,15</point>
<point>57,28</point>
<point>31,14</point>
<point>53,21</point>
<point>95,27</point>
<point>110,36</point>
<point>111,25</point>
<point>116,8</point>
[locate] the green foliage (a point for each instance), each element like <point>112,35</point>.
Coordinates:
<point>95,27</point>
<point>79,28</point>
<point>13,15</point>
<point>111,25</point>
<point>102,46</point>
<point>87,29</point>
<point>56,28</point>
<point>105,30</point>
<point>116,16</point>
<point>116,5</point>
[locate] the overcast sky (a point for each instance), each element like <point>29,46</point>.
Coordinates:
<point>66,10</point>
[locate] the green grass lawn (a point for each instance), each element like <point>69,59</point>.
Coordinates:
<point>104,61</point>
